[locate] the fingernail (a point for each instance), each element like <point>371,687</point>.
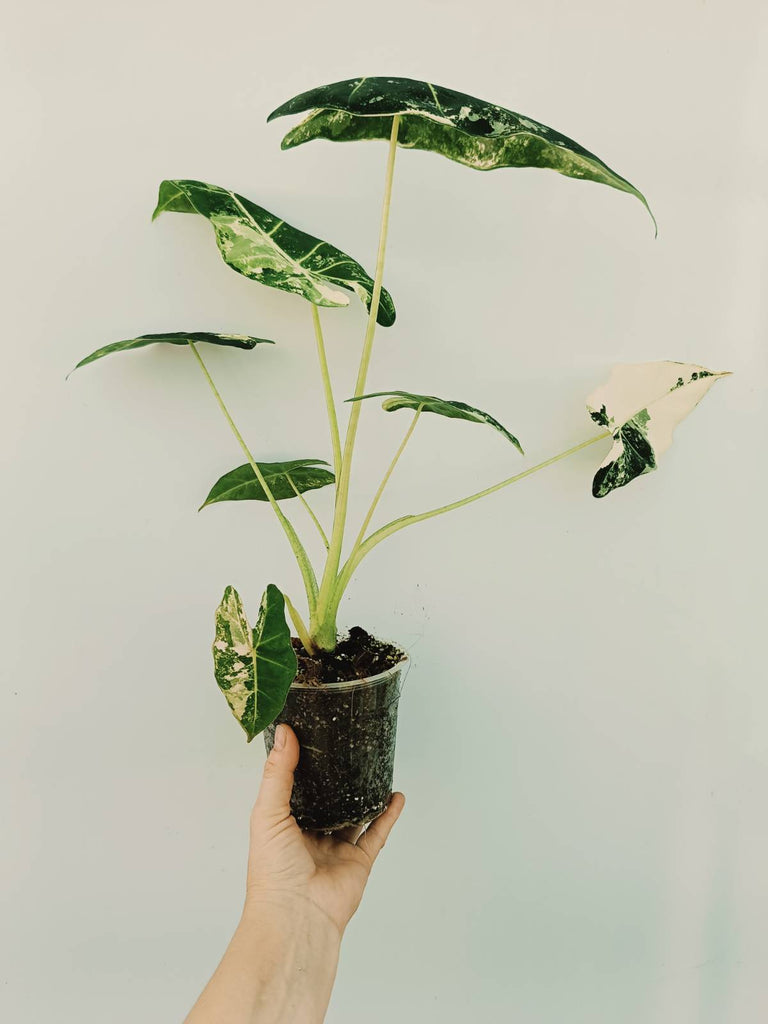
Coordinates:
<point>280,734</point>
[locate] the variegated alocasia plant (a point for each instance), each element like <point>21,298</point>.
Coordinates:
<point>637,409</point>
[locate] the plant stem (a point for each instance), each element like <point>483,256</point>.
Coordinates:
<point>399,524</point>
<point>298,624</point>
<point>327,585</point>
<point>329,402</point>
<point>307,572</point>
<point>308,507</point>
<point>387,475</point>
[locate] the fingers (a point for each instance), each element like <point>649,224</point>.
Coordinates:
<point>350,834</point>
<point>274,799</point>
<point>372,841</point>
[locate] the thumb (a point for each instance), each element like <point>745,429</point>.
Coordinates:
<point>274,799</point>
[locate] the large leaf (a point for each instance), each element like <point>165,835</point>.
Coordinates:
<point>241,484</point>
<point>264,248</point>
<point>254,669</point>
<point>441,406</point>
<point>641,404</point>
<point>176,338</point>
<point>471,131</point>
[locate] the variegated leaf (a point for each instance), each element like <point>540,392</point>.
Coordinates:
<point>284,479</point>
<point>264,248</point>
<point>442,406</point>
<point>470,131</point>
<point>175,338</point>
<point>641,404</point>
<point>254,669</point>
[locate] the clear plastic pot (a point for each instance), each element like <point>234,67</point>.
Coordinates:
<point>347,734</point>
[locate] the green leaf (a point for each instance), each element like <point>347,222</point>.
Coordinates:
<point>241,484</point>
<point>641,404</point>
<point>470,131</point>
<point>177,338</point>
<point>254,669</point>
<point>441,406</point>
<point>264,248</point>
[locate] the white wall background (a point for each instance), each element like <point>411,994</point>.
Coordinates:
<point>582,738</point>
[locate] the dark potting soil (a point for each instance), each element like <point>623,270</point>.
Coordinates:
<point>346,734</point>
<point>357,656</point>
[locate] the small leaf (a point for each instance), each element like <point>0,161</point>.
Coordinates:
<point>241,484</point>
<point>264,248</point>
<point>441,406</point>
<point>641,404</point>
<point>177,338</point>
<point>254,669</point>
<point>463,128</point>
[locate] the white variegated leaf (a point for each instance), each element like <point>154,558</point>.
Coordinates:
<point>264,248</point>
<point>254,668</point>
<point>471,131</point>
<point>641,404</point>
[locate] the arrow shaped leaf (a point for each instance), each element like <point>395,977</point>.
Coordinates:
<point>284,480</point>
<point>463,128</point>
<point>254,669</point>
<point>264,248</point>
<point>176,338</point>
<point>442,406</point>
<point>641,404</point>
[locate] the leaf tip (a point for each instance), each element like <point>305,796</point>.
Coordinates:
<point>159,205</point>
<point>645,203</point>
<point>277,112</point>
<point>83,362</point>
<point>600,486</point>
<point>272,591</point>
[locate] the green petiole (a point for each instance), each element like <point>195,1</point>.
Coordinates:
<point>324,628</point>
<point>305,566</point>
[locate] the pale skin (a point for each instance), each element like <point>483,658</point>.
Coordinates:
<point>301,892</point>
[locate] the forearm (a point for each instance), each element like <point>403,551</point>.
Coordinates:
<point>278,968</point>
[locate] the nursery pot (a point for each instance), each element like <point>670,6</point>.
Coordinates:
<point>347,735</point>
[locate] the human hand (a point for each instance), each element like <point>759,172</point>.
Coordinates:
<point>325,873</point>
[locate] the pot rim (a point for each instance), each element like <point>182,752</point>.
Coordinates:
<point>365,681</point>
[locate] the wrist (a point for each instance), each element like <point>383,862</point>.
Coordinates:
<point>292,947</point>
<point>295,911</point>
<point>279,966</point>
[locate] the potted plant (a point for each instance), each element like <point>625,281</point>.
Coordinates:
<point>340,694</point>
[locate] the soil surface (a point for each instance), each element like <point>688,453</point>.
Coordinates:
<point>357,656</point>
